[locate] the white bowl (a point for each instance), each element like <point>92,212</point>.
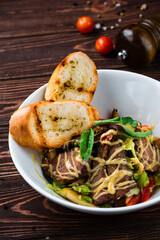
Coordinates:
<point>133,95</point>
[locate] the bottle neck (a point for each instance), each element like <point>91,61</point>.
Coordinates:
<point>153,26</point>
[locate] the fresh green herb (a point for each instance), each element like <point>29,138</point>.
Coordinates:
<point>129,121</point>
<point>136,135</point>
<point>86,199</point>
<point>143,180</point>
<point>125,121</point>
<point>84,189</point>
<point>86,144</point>
<point>124,135</point>
<point>107,121</point>
<point>135,123</point>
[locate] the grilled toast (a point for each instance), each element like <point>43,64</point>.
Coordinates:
<point>75,78</point>
<point>50,124</point>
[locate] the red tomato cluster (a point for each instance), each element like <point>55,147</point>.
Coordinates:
<point>104,45</point>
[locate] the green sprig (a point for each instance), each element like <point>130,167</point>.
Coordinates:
<point>122,122</point>
<point>86,144</point>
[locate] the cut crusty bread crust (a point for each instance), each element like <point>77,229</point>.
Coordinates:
<point>50,124</point>
<point>75,78</point>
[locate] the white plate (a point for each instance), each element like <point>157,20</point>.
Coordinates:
<point>133,95</point>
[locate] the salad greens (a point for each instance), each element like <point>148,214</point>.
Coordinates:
<point>86,199</point>
<point>143,180</point>
<point>122,122</point>
<point>87,137</point>
<point>126,128</point>
<point>84,189</point>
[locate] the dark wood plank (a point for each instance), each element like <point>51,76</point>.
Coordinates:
<point>35,36</point>
<point>27,215</point>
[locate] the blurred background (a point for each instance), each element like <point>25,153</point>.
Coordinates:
<point>36,35</point>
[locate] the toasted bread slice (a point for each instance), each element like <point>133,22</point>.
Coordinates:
<point>50,124</point>
<point>75,78</point>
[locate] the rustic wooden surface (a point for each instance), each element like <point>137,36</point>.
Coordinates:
<point>35,35</point>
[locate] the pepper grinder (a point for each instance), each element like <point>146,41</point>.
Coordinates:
<point>137,44</point>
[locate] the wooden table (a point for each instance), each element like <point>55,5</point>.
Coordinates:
<point>35,35</point>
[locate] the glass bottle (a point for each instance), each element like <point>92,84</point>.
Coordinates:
<point>137,44</point>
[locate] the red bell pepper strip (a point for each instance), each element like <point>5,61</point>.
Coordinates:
<point>134,200</point>
<point>146,194</point>
<point>144,127</point>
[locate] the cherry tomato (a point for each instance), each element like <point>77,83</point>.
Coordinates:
<point>104,45</point>
<point>85,24</point>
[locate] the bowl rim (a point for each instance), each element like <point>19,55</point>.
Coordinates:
<point>64,202</point>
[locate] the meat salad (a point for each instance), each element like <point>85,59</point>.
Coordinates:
<point>115,163</point>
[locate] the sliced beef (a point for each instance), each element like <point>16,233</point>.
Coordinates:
<point>98,131</point>
<point>108,169</point>
<point>149,154</point>
<point>157,142</point>
<point>45,168</point>
<point>47,158</point>
<point>120,192</point>
<point>113,148</point>
<point>102,151</point>
<point>68,166</point>
<point>104,197</point>
<point>121,202</point>
<point>107,136</point>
